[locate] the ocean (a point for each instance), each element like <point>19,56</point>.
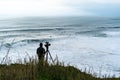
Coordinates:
<point>91,44</point>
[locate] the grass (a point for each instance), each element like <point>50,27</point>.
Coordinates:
<point>34,70</point>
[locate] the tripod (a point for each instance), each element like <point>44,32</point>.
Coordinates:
<point>48,54</point>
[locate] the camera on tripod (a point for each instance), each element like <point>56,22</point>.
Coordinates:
<point>47,44</point>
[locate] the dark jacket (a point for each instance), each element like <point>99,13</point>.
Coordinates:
<point>41,52</point>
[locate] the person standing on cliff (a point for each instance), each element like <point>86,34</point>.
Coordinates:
<point>41,52</point>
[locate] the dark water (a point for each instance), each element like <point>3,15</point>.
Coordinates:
<point>33,27</point>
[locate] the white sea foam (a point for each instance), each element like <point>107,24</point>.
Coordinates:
<point>91,52</point>
<point>112,33</point>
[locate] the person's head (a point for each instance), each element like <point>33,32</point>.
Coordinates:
<point>41,44</point>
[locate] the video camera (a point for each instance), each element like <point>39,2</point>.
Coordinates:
<point>47,44</point>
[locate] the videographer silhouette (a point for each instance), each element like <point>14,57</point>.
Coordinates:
<point>41,52</point>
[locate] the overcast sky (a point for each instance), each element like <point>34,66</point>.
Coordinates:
<point>60,8</point>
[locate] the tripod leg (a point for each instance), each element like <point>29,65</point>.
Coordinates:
<point>51,57</point>
<point>46,56</point>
